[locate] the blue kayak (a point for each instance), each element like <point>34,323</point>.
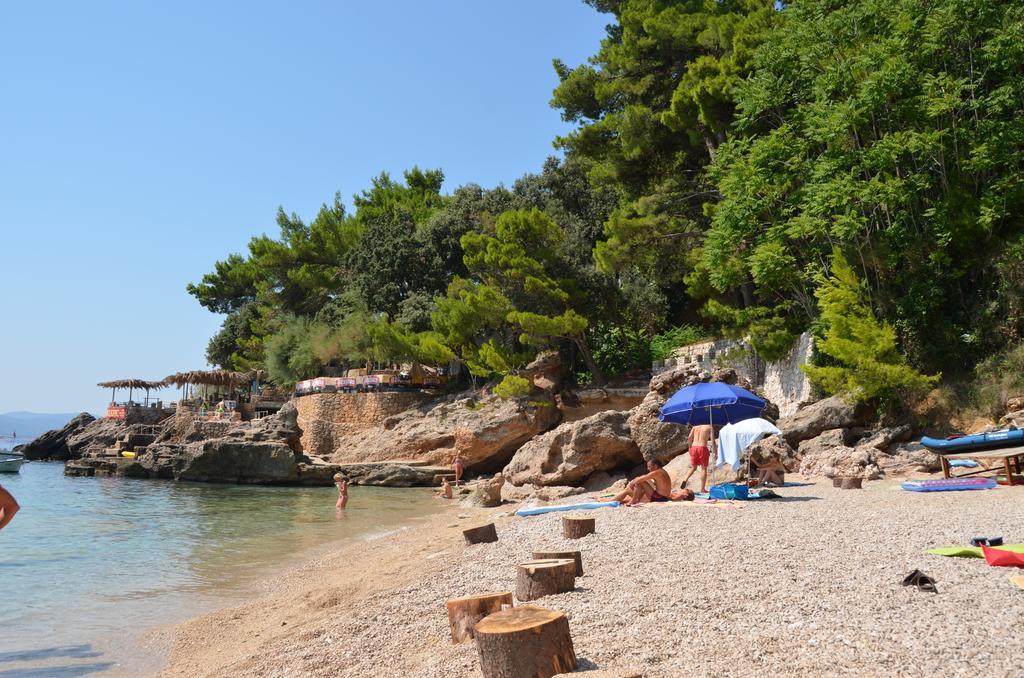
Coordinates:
<point>992,440</point>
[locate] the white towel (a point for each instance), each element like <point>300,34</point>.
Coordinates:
<point>735,438</point>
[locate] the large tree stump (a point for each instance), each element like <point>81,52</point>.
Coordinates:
<point>848,483</point>
<point>525,642</point>
<point>481,535</point>
<point>464,613</point>
<point>562,555</point>
<point>574,528</point>
<point>539,578</point>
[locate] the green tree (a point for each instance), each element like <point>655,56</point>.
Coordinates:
<point>652,107</point>
<point>893,131</point>
<point>867,363</point>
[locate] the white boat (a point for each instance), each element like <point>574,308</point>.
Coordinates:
<point>10,462</point>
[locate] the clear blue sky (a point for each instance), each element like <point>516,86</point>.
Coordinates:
<point>141,142</point>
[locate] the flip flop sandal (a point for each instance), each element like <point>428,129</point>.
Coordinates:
<point>922,581</point>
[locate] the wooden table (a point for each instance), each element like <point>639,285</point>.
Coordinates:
<point>1006,454</point>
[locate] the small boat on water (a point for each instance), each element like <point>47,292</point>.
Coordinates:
<point>10,462</point>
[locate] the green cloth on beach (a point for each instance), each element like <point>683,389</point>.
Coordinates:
<point>971,551</point>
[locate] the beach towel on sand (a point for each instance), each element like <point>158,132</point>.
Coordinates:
<point>972,551</point>
<point>1001,557</point>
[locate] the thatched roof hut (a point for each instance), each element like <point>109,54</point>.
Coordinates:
<point>133,383</point>
<point>210,378</point>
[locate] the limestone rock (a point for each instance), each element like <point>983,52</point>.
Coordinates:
<point>222,460</point>
<point>486,493</point>
<point>911,457</point>
<point>385,474</point>
<point>573,451</point>
<point>881,440</point>
<point>486,433</point>
<point>604,482</point>
<point>514,493</point>
<point>1015,403</point>
<point>1014,418</point>
<point>545,372</point>
<point>54,444</point>
<point>829,455</point>
<point>95,437</point>
<point>810,421</point>
<point>655,439</point>
<point>772,448</point>
<point>668,382</point>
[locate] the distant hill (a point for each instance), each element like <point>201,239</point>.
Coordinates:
<point>29,425</point>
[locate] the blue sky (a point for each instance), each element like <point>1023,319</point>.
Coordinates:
<point>141,142</point>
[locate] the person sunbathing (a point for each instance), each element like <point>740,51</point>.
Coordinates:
<point>771,473</point>
<point>8,507</point>
<point>655,486</point>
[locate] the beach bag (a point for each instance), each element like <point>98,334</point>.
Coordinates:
<point>1001,558</point>
<point>730,491</point>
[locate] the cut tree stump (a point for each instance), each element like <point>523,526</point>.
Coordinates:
<point>574,528</point>
<point>464,613</point>
<point>481,535</point>
<point>525,642</point>
<point>562,555</point>
<point>847,483</point>
<point>539,578</point>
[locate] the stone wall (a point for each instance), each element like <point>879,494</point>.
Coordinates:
<point>782,381</point>
<point>326,418</point>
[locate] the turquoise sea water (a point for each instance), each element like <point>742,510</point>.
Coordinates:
<point>89,564</point>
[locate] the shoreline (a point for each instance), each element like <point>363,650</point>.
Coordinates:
<point>805,585</point>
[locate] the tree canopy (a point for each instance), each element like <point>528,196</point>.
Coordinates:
<point>740,167</point>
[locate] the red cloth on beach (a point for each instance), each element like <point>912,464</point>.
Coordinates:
<point>1000,558</point>
<point>699,456</point>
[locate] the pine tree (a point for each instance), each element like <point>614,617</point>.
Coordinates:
<point>867,361</point>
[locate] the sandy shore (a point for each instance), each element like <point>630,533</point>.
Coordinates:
<point>806,585</point>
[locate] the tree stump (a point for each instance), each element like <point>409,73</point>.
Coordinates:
<point>574,528</point>
<point>525,642</point>
<point>539,578</point>
<point>562,555</point>
<point>464,613</point>
<point>481,535</point>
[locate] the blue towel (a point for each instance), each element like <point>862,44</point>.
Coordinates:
<point>964,463</point>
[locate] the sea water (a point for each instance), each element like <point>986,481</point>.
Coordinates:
<point>89,564</point>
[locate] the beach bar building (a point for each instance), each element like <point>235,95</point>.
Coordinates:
<point>122,411</point>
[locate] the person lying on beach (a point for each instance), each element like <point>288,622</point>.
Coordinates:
<point>342,484</point>
<point>8,507</point>
<point>446,489</point>
<point>701,439</point>
<point>655,486</point>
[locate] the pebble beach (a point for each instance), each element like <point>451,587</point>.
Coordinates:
<point>807,584</point>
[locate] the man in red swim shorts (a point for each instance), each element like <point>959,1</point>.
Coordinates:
<point>701,439</point>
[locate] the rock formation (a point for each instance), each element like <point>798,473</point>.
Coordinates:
<point>569,454</point>
<point>486,433</point>
<point>54,444</point>
<point>816,418</point>
<point>486,492</point>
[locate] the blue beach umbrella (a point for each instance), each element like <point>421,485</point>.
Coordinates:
<point>710,403</point>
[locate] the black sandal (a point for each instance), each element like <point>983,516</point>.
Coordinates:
<point>922,581</point>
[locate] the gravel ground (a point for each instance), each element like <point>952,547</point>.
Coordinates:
<point>805,585</point>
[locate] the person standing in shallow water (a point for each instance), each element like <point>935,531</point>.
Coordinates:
<point>8,507</point>
<point>342,484</point>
